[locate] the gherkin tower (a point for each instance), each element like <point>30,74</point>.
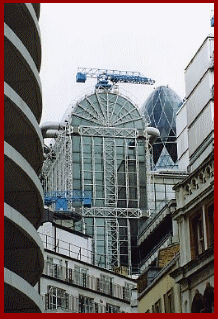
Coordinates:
<point>160,110</point>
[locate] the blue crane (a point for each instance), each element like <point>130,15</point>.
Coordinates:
<point>212,19</point>
<point>104,76</point>
<point>61,198</point>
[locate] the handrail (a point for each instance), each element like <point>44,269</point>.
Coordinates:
<point>74,251</point>
<point>67,248</point>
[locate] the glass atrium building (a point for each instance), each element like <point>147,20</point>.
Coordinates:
<point>160,110</point>
<point>103,151</point>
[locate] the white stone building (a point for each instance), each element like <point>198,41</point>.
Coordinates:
<point>71,283</point>
<point>195,194</point>
<point>195,119</point>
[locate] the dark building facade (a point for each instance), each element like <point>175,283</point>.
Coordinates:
<point>23,157</point>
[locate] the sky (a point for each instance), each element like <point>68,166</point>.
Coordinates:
<point>156,39</point>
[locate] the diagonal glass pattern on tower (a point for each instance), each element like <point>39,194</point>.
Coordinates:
<point>160,109</point>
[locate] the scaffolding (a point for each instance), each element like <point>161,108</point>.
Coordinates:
<point>102,150</point>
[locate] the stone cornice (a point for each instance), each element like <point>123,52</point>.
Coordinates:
<point>183,273</point>
<point>197,187</point>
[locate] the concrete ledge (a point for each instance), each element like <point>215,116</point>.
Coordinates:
<point>11,36</point>
<point>33,15</point>
<point>22,19</point>
<point>18,159</point>
<point>21,72</point>
<point>24,224</point>
<point>25,130</point>
<point>23,296</point>
<point>30,265</point>
<point>36,7</point>
<point>14,97</point>
<point>24,11</point>
<point>21,179</point>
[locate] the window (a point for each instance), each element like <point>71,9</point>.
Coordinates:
<point>57,298</point>
<point>112,309</point>
<point>54,267</point>
<point>169,301</point>
<point>197,235</point>
<point>127,291</point>
<point>106,284</point>
<point>156,308</point>
<point>81,276</point>
<point>99,308</point>
<point>86,304</point>
<point>200,235</point>
<point>209,212</point>
<point>96,308</point>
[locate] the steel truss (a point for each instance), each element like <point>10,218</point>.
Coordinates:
<point>109,212</point>
<point>112,243</point>
<point>108,132</point>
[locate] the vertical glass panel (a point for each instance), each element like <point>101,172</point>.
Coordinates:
<point>77,184</point>
<point>86,139</point>
<point>89,226</point>
<point>76,144</point>
<point>76,170</point>
<point>76,157</point>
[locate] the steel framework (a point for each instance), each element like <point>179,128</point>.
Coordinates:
<point>107,130</point>
<point>114,76</point>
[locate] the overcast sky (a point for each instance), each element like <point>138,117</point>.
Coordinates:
<point>157,40</point>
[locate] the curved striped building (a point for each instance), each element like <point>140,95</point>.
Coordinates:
<point>23,157</point>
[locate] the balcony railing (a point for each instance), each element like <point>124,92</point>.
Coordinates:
<point>77,252</point>
<point>71,304</point>
<point>86,281</point>
<point>67,249</point>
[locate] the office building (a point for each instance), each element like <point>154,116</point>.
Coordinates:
<point>23,158</point>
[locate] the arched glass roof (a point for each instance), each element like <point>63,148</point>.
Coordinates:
<point>108,110</point>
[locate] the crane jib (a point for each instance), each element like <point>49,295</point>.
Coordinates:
<point>113,76</point>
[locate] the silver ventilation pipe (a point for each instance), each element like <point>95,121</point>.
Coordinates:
<point>153,134</point>
<point>50,129</point>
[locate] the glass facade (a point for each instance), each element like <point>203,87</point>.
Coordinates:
<point>160,109</point>
<point>106,158</point>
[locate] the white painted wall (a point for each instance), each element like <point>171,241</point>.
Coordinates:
<point>200,129</point>
<point>199,64</point>
<point>200,97</point>
<point>76,291</point>
<point>68,244</point>
<point>74,243</point>
<point>182,137</point>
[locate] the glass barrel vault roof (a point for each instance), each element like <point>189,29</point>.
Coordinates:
<point>108,110</point>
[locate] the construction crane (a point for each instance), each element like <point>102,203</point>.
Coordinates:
<point>212,19</point>
<point>106,79</point>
